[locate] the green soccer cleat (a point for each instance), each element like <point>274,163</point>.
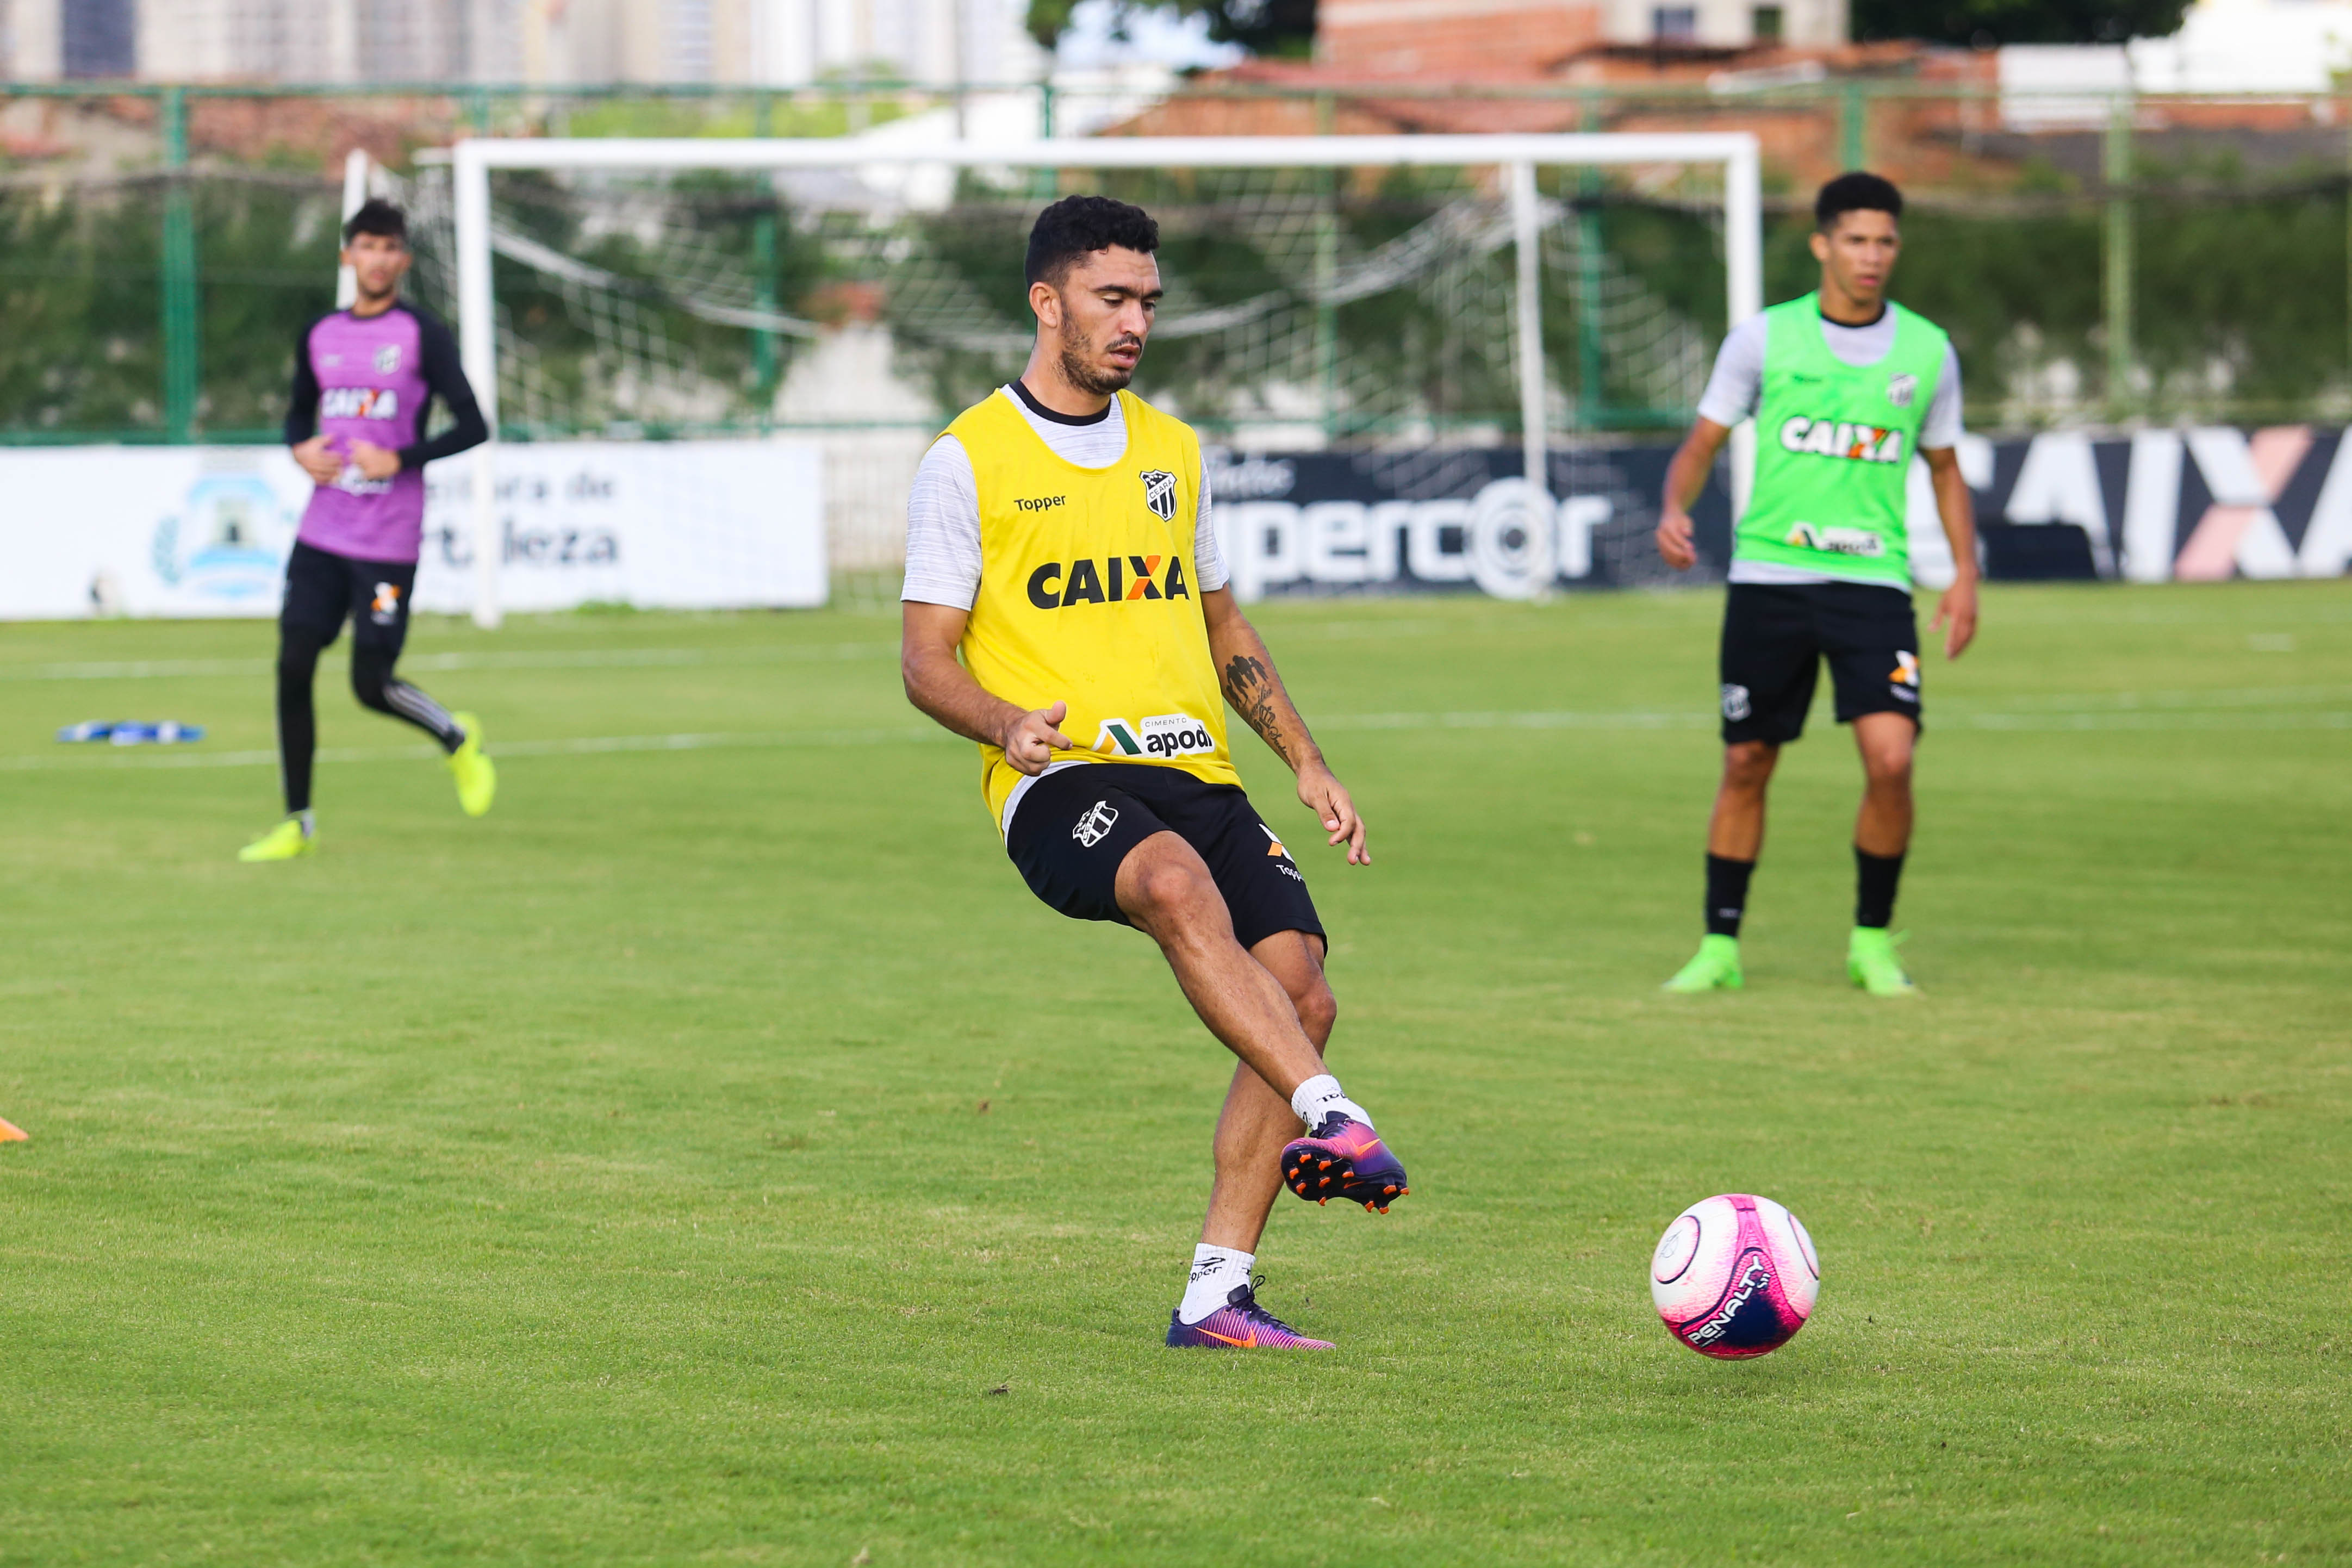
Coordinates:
<point>478,777</point>
<point>1716,967</point>
<point>284,842</point>
<point>1871,964</point>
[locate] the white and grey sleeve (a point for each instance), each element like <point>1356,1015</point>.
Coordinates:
<point>943,529</point>
<point>1941,428</point>
<point>1209,572</point>
<point>1739,377</point>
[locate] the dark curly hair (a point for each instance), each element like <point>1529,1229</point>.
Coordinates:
<point>1078,227</point>
<point>1853,193</point>
<point>379,217</point>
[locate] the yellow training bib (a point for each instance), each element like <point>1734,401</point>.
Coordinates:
<point>1086,594</point>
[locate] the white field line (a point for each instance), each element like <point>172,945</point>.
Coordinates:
<point>2172,719</point>
<point>580,746</point>
<point>1950,711</point>
<point>549,658</point>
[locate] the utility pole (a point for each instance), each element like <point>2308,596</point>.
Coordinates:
<point>2118,303</point>
<point>183,337</point>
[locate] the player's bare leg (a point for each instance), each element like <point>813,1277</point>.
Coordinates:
<point>1164,887</point>
<point>1735,832</point>
<point>1272,1008</point>
<point>1882,832</point>
<point>1886,741</point>
<point>1735,836</point>
<point>1257,1122</point>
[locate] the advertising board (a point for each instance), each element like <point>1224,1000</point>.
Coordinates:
<point>205,530</point>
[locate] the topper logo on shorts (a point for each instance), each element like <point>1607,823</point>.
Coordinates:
<point>1161,735</point>
<point>1904,682</point>
<point>1752,1279</point>
<point>1094,823</point>
<point>1119,579</point>
<point>1274,851</point>
<point>358,403</point>
<point>1159,492</point>
<point>1038,504</point>
<point>1835,540</point>
<point>1841,439</point>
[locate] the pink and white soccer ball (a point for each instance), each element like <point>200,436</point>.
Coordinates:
<point>1735,1275</point>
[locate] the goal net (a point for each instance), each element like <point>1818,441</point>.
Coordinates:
<point>1398,319</point>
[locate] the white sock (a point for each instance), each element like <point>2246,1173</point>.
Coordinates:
<point>310,822</point>
<point>1319,1096</point>
<point>1215,1271</point>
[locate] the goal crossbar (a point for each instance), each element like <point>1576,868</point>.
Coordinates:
<point>1519,156</point>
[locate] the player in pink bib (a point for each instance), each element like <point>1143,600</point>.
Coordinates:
<point>363,380</point>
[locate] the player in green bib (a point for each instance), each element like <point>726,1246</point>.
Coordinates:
<point>1847,390</point>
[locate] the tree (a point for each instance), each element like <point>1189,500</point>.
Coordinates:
<point>1261,26</point>
<point>1988,22</point>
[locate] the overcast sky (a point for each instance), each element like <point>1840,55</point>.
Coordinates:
<point>1156,38</point>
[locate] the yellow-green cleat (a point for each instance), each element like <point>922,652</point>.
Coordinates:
<point>284,842</point>
<point>1714,967</point>
<point>1871,964</point>
<point>478,777</point>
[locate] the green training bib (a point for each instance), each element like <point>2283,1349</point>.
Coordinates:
<point>1833,448</point>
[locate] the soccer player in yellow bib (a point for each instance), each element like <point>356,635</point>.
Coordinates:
<point>1058,539</point>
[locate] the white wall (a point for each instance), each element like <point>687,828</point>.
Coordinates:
<point>32,40</point>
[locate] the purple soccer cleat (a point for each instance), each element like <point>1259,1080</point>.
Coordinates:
<point>1241,1324</point>
<point>1343,1159</point>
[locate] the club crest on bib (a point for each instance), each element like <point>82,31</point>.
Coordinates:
<point>1160,493</point>
<point>1901,388</point>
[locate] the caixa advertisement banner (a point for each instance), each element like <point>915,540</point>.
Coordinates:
<point>2200,504</point>
<point>205,530</point>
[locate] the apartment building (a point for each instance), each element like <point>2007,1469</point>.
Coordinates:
<point>777,43</point>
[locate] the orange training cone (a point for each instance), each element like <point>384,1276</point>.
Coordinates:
<point>11,1133</point>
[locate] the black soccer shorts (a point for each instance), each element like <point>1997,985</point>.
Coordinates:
<point>1075,825</point>
<point>324,589</point>
<point>1776,635</point>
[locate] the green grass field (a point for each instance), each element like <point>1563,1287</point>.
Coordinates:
<point>700,1158</point>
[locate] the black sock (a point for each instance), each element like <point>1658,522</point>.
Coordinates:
<point>1726,894</point>
<point>1874,880</point>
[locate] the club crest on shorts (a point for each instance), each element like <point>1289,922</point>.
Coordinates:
<point>1734,702</point>
<point>1160,493</point>
<point>1901,388</point>
<point>1095,823</point>
<point>384,608</point>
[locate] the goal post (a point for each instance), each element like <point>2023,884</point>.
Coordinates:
<point>1516,157</point>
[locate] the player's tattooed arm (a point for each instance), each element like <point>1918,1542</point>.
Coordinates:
<point>1245,670</point>
<point>1251,686</point>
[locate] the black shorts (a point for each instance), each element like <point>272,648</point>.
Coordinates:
<point>324,589</point>
<point>1074,827</point>
<point>1775,636</point>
